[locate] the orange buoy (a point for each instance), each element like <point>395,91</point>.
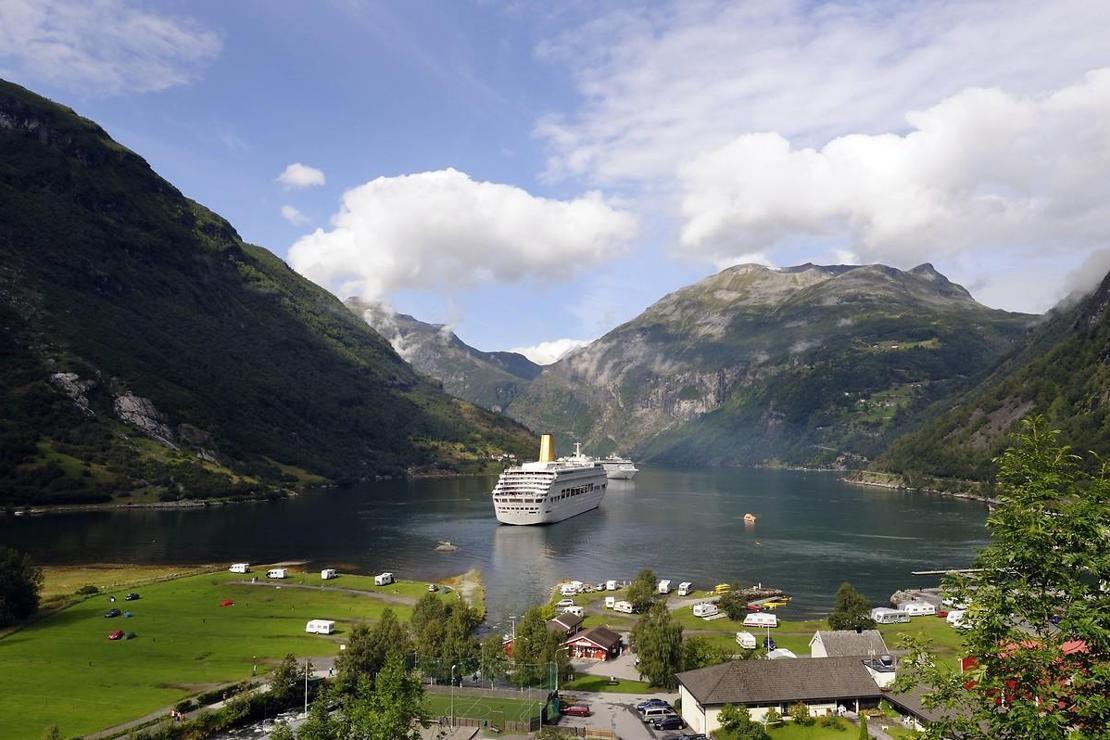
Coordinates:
<point>749,518</point>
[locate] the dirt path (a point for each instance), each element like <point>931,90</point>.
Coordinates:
<point>469,585</point>
<point>390,598</point>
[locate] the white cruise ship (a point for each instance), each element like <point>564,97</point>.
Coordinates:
<point>549,490</point>
<point>619,468</point>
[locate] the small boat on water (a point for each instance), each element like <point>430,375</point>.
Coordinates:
<point>749,518</point>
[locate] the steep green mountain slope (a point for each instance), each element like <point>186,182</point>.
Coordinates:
<point>147,352</point>
<point>490,379</point>
<point>1062,372</point>
<point>806,365</point>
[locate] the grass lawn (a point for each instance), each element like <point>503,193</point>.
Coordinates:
<point>63,670</point>
<point>62,580</point>
<point>791,731</point>
<point>492,709</point>
<point>588,682</point>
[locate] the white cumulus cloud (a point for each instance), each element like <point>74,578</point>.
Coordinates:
<point>442,230</point>
<point>550,351</point>
<point>979,170</point>
<point>101,47</point>
<point>293,215</point>
<point>298,175</point>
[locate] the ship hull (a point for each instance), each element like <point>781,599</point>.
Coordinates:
<point>568,494</point>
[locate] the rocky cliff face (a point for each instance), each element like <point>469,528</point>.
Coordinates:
<point>801,365</point>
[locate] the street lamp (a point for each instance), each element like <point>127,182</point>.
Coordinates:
<point>452,695</point>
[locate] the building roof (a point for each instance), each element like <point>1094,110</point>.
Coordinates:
<point>845,643</point>
<point>772,681</point>
<point>564,622</point>
<point>603,637</point>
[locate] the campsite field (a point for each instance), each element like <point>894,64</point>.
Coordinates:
<point>63,670</point>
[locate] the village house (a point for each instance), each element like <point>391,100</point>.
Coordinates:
<point>847,643</point>
<point>596,643</point>
<point>824,685</point>
<point>566,624</point>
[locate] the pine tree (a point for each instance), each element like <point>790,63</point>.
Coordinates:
<point>658,641</point>
<point>851,611</point>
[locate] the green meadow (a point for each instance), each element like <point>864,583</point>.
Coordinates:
<point>63,670</point>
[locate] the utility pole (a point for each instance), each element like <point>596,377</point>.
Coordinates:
<point>306,686</point>
<point>452,695</point>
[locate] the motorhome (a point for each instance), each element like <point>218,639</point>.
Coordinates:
<point>568,589</point>
<point>625,607</point>
<point>575,610</point>
<point>918,608</point>
<point>610,601</point>
<point>240,567</point>
<point>328,573</point>
<point>706,610</point>
<point>320,627</point>
<point>883,615</point>
<point>745,640</point>
<point>664,587</point>
<point>275,573</point>
<point>956,618</point>
<point>383,579</point>
<point>610,585</point>
<point>761,619</point>
<point>685,588</point>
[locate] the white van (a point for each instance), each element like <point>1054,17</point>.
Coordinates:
<point>883,615</point>
<point>624,607</point>
<point>706,610</point>
<point>320,627</point>
<point>328,573</point>
<point>610,601</point>
<point>575,610</point>
<point>761,619</point>
<point>918,608</point>
<point>685,588</point>
<point>956,618</point>
<point>275,573</point>
<point>653,713</point>
<point>240,568</point>
<point>745,640</point>
<point>568,589</point>
<point>664,587</point>
<point>383,579</point>
<point>610,585</point>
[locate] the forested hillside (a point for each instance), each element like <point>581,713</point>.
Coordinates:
<point>147,352</point>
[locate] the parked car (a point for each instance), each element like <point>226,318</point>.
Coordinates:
<point>112,613</point>
<point>564,602</point>
<point>670,722</point>
<point>651,703</point>
<point>653,713</point>
<point>115,635</point>
<point>769,643</point>
<point>132,597</point>
<point>432,588</point>
<point>577,710</point>
<point>692,736</point>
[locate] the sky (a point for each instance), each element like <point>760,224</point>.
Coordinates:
<point>533,174</point>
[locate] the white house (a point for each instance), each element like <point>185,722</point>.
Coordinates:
<point>240,567</point>
<point>320,627</point>
<point>823,685</point>
<point>328,573</point>
<point>275,573</point>
<point>383,579</point>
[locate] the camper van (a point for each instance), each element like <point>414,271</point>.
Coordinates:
<point>275,573</point>
<point>706,610</point>
<point>883,615</point>
<point>568,589</point>
<point>623,607</point>
<point>383,579</point>
<point>575,610</point>
<point>745,640</point>
<point>956,618</point>
<point>320,627</point>
<point>328,573</point>
<point>918,608</point>
<point>610,585</point>
<point>761,619</point>
<point>664,587</point>
<point>240,567</point>
<point>610,601</point>
<point>685,588</point>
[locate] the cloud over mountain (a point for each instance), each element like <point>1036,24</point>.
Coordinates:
<point>550,351</point>
<point>443,230</point>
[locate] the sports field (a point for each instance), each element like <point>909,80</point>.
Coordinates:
<point>493,710</point>
<point>63,670</point>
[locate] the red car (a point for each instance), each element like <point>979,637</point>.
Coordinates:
<point>577,710</point>
<point>115,635</point>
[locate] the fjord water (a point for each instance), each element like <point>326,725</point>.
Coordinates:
<point>812,533</point>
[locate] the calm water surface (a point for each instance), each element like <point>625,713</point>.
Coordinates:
<point>812,533</point>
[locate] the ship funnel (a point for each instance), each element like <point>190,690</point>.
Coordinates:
<point>547,448</point>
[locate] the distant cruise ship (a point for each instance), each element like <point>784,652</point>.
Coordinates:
<point>619,468</point>
<point>549,490</point>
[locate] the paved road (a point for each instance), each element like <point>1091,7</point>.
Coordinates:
<point>615,712</point>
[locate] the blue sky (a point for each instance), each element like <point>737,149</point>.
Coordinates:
<point>528,174</point>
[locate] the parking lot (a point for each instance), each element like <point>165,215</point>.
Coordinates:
<point>615,712</point>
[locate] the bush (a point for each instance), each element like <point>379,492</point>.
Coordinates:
<point>832,722</point>
<point>773,717</point>
<point>800,714</point>
<point>87,590</point>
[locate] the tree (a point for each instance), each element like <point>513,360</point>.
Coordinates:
<point>442,635</point>
<point>368,648</point>
<point>658,641</point>
<point>734,605</point>
<point>863,733</point>
<point>282,731</point>
<point>392,708</point>
<point>642,591</point>
<point>537,650</point>
<point>287,679</point>
<point>851,611</point>
<point>739,725</point>
<point>495,664</point>
<point>322,723</point>
<point>20,583</point>
<point>700,652</point>
<point>1047,561</point>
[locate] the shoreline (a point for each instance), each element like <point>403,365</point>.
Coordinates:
<point>934,491</point>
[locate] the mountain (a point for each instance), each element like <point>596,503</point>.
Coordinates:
<point>1062,371</point>
<point>807,365</point>
<point>147,352</point>
<point>489,379</point>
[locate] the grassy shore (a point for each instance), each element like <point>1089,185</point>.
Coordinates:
<point>63,670</point>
